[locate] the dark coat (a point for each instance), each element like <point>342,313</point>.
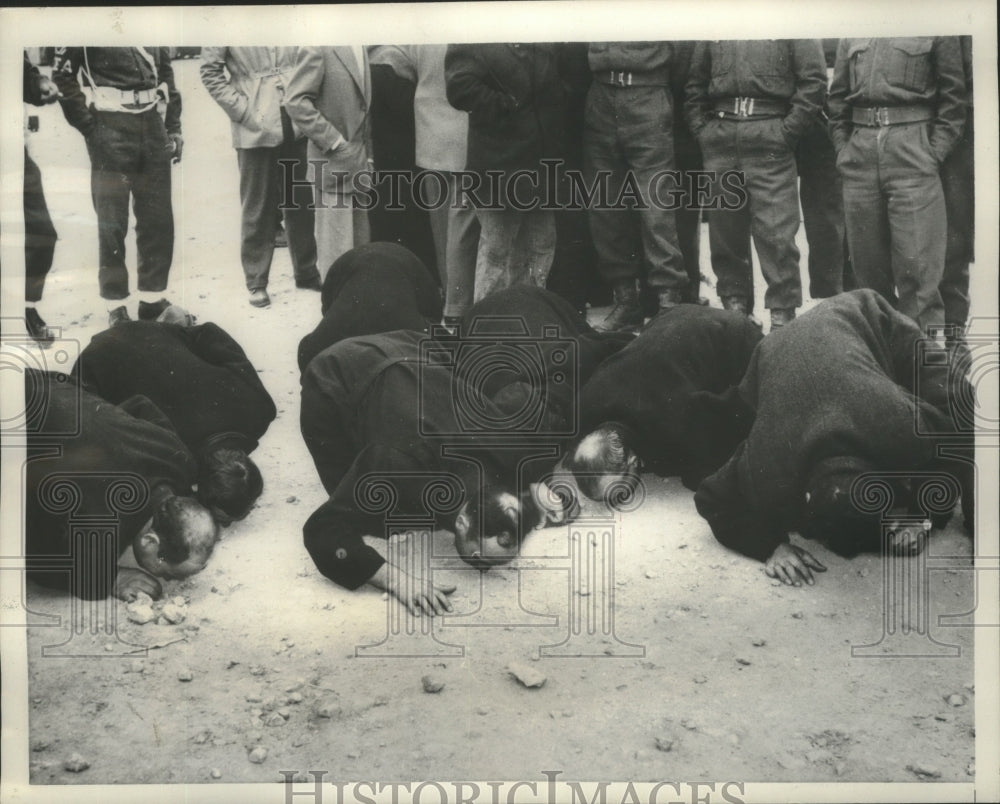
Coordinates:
<point>674,386</point>
<point>836,386</point>
<point>377,287</point>
<point>516,100</point>
<point>369,408</point>
<point>525,314</point>
<point>94,445</point>
<point>198,376</point>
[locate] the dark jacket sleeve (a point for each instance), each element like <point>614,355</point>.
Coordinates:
<point>216,346</point>
<point>65,67</point>
<point>810,86</point>
<point>470,85</point>
<point>165,72</point>
<point>734,520</point>
<point>333,534</point>
<point>839,109</point>
<point>951,96</point>
<point>696,89</point>
<point>142,407</point>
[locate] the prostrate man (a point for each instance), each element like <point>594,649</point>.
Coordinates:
<point>665,402</point>
<point>170,533</point>
<point>203,382</point>
<point>373,415</point>
<point>838,393</point>
<point>377,287</point>
<point>525,317</point>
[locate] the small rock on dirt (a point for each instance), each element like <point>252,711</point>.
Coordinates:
<point>432,684</point>
<point>136,666</point>
<point>140,613</point>
<point>185,675</point>
<point>39,745</point>
<point>956,700</point>
<point>257,670</point>
<point>924,771</point>
<point>664,743</point>
<point>258,755</point>
<point>797,615</point>
<point>274,719</point>
<point>292,499</point>
<point>742,661</point>
<point>759,643</point>
<point>216,773</point>
<point>700,679</point>
<point>202,737</point>
<point>76,764</point>
<point>179,600</point>
<point>527,675</point>
<point>327,710</point>
<point>970,769</point>
<point>294,698</point>
<point>173,613</point>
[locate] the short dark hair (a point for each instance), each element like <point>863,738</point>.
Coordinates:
<point>174,522</point>
<point>496,521</point>
<point>229,481</point>
<point>602,451</point>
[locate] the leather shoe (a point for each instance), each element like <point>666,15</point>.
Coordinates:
<point>150,311</point>
<point>118,316</point>
<point>259,298</point>
<point>37,328</point>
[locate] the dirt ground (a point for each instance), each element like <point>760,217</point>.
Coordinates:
<point>711,671</point>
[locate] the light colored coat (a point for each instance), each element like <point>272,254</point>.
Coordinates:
<point>441,130</point>
<point>328,99</point>
<point>252,93</point>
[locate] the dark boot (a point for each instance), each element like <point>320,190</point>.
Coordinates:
<point>781,316</point>
<point>736,304</point>
<point>37,328</point>
<point>118,316</point>
<point>670,298</point>
<point>626,314</point>
<point>150,311</point>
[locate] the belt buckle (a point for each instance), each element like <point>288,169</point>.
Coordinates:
<point>618,77</point>
<point>743,107</point>
<point>135,97</point>
<point>881,116</point>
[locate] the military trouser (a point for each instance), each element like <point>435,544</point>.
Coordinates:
<point>895,212</point>
<point>757,149</point>
<point>630,130</point>
<point>958,183</point>
<point>130,157</point>
<point>39,233</point>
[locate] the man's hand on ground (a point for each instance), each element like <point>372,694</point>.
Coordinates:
<point>792,565</point>
<point>421,596</point>
<point>130,582</point>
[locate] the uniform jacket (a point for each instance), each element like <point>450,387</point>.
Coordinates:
<point>441,130</point>
<point>516,102</point>
<point>99,442</point>
<point>377,287</point>
<point>918,70</point>
<point>328,97</point>
<point>119,67</point>
<point>639,57</point>
<point>838,385</point>
<point>369,411</point>
<point>673,386</point>
<point>198,376</point>
<point>789,70</point>
<point>249,84</point>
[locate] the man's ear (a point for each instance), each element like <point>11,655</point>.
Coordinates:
<point>633,459</point>
<point>150,543</point>
<point>462,520</point>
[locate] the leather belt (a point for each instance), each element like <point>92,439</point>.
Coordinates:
<point>743,108</point>
<point>626,78</point>
<point>876,116</point>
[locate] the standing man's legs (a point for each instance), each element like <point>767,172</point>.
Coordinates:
<point>39,248</point>
<point>114,157</point>
<point>531,260</point>
<point>153,205</point>
<point>958,183</point>
<point>339,228</point>
<point>866,214</point>
<point>498,231</point>
<point>774,210</point>
<point>462,245</point>
<point>917,219</point>
<point>822,197</point>
<point>258,223</point>
<point>297,208</point>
